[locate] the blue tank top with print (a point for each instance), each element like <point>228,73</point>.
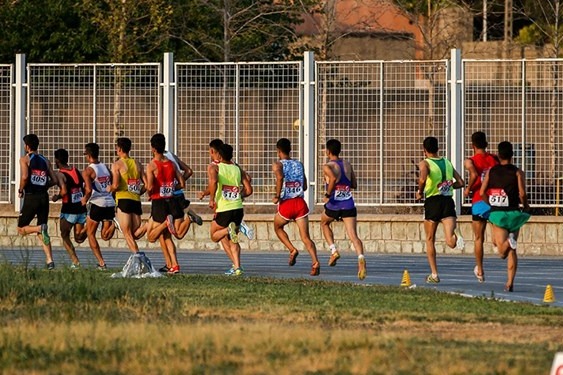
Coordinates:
<point>341,198</point>
<point>293,179</point>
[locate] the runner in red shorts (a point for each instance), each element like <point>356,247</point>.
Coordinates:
<point>290,186</point>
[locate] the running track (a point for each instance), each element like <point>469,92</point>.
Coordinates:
<point>456,272</point>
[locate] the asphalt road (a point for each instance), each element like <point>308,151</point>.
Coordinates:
<point>456,272</point>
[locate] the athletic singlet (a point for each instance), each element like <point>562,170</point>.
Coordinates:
<point>293,179</point>
<point>440,179</point>
<point>170,156</point>
<point>75,192</point>
<point>503,188</point>
<point>129,182</point>
<point>482,163</point>
<point>228,195</point>
<point>100,196</point>
<point>341,198</point>
<point>165,180</point>
<point>38,174</point>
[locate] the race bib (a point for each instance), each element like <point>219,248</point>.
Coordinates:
<point>76,195</point>
<point>104,182</point>
<point>342,193</point>
<point>166,190</point>
<point>231,193</point>
<point>444,188</point>
<point>38,177</point>
<point>134,186</point>
<point>497,197</point>
<point>293,189</point>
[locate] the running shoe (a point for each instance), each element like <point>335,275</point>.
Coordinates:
<point>293,257</point>
<point>51,266</point>
<point>333,258</point>
<point>102,268</point>
<point>75,266</point>
<point>247,230</point>
<point>480,278</point>
<point>315,269</point>
<point>174,270</point>
<point>512,241</point>
<point>170,225</point>
<point>460,243</point>
<point>195,218</point>
<point>45,236</point>
<point>230,271</point>
<point>238,272</point>
<point>509,288</point>
<point>432,279</point>
<point>163,269</point>
<point>233,232</point>
<point>362,268</point>
<point>116,223</point>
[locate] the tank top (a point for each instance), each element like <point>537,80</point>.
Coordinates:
<point>341,198</point>
<point>129,182</point>
<point>38,174</point>
<point>100,196</point>
<point>293,179</point>
<point>170,156</point>
<point>440,179</point>
<point>503,188</point>
<point>482,163</point>
<point>75,192</point>
<point>165,180</point>
<point>228,196</point>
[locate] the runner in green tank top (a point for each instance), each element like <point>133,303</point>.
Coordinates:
<point>437,180</point>
<point>225,198</point>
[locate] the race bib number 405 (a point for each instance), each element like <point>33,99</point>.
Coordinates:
<point>38,177</point>
<point>230,193</point>
<point>134,186</point>
<point>498,197</point>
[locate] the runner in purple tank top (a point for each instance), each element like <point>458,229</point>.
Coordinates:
<point>339,204</point>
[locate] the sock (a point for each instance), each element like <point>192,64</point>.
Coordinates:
<point>361,256</point>
<point>332,248</point>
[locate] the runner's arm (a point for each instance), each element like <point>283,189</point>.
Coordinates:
<point>188,172</point>
<point>149,177</point>
<point>24,174</point>
<point>212,175</point>
<point>87,177</point>
<point>277,168</point>
<point>522,189</point>
<point>484,186</point>
<point>353,180</point>
<point>115,176</point>
<point>470,167</point>
<point>247,186</point>
<point>458,180</point>
<point>423,168</point>
<point>181,178</point>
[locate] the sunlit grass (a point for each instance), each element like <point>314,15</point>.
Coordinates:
<point>86,322</point>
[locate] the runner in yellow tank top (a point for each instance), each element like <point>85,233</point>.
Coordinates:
<point>225,180</point>
<point>128,179</point>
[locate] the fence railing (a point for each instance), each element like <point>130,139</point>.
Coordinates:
<point>380,110</point>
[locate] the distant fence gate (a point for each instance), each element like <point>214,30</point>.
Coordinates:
<point>380,110</point>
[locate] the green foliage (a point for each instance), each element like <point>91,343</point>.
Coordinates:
<point>530,35</point>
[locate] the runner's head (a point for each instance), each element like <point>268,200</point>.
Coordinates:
<point>31,141</point>
<point>123,144</point>
<point>92,150</point>
<point>479,140</point>
<point>214,147</point>
<point>505,151</point>
<point>61,157</point>
<point>284,146</point>
<point>334,147</point>
<point>158,143</point>
<point>226,152</point>
<point>430,145</point>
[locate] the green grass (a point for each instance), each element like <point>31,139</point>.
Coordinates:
<point>86,322</point>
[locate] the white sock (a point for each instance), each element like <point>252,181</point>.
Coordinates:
<point>361,256</point>
<point>332,248</point>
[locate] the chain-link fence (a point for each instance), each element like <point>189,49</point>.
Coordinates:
<point>6,132</point>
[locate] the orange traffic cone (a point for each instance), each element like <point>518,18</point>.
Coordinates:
<point>406,281</point>
<point>548,297</point>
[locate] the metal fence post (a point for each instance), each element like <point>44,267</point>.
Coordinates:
<point>309,154</point>
<point>456,126</point>
<point>20,123</point>
<point>168,102</point>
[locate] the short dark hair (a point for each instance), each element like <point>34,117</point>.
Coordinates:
<point>226,152</point>
<point>92,149</point>
<point>479,140</point>
<point>124,144</point>
<point>430,144</point>
<point>284,145</point>
<point>505,151</point>
<point>158,142</point>
<point>334,146</point>
<point>31,141</point>
<point>216,144</point>
<point>61,155</point>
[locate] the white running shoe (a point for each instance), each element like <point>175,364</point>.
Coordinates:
<point>512,241</point>
<point>247,230</point>
<point>460,243</point>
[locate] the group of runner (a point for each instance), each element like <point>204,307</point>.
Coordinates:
<point>496,186</point>
<point>498,193</point>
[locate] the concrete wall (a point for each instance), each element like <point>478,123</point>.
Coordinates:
<point>396,234</point>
